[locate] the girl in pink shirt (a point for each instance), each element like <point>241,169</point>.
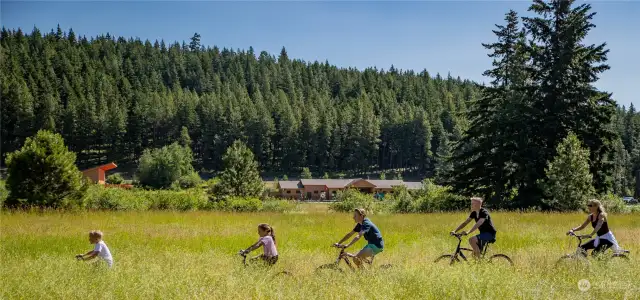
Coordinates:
<point>268,242</point>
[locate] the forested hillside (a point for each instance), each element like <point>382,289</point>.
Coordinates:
<point>111,98</point>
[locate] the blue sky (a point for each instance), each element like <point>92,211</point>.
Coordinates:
<point>440,36</point>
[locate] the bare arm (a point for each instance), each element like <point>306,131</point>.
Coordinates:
<point>354,239</point>
<point>462,225</point>
<point>475,226</point>
<point>253,247</point>
<point>89,255</point>
<point>347,236</point>
<point>598,225</point>
<point>586,222</point>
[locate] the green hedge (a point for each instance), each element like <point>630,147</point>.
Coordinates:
<point>102,198</point>
<point>430,198</point>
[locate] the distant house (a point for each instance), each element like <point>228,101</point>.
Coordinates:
<point>313,188</point>
<point>289,189</point>
<point>97,174</point>
<point>327,189</point>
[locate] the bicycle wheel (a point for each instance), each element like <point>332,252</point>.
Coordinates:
<point>447,258</point>
<point>329,268</point>
<point>283,274</point>
<point>572,261</point>
<point>501,259</point>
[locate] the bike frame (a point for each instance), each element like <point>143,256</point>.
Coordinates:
<point>579,250</point>
<point>343,256</point>
<point>459,249</point>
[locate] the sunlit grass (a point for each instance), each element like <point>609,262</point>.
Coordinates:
<point>192,256</point>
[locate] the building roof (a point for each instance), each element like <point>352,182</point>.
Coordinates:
<point>289,185</point>
<point>413,185</point>
<point>329,183</point>
<point>106,167</point>
<point>385,184</point>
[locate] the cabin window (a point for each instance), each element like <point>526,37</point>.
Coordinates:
<point>288,192</point>
<point>315,192</point>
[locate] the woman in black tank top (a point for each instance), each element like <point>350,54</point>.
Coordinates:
<point>598,220</point>
<point>604,228</point>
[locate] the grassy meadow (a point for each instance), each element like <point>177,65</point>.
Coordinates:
<point>192,255</point>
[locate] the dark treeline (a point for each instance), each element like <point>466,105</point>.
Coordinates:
<point>111,98</point>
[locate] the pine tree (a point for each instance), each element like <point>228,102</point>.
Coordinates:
<point>568,183</point>
<point>563,73</point>
<point>240,176</point>
<point>306,174</point>
<point>485,158</point>
<point>63,184</point>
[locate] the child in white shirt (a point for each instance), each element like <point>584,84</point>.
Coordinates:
<point>100,250</point>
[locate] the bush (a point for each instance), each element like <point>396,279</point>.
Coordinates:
<point>160,168</point>
<point>43,173</point>
<point>351,199</point>
<point>102,198</point>
<point>189,181</point>
<point>274,205</point>
<point>115,179</point>
<point>614,204</point>
<point>238,204</point>
<point>4,193</point>
<point>431,198</point>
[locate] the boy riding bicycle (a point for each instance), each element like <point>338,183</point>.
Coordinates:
<point>366,228</point>
<point>483,223</point>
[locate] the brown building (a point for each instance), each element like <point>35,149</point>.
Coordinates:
<point>327,189</point>
<point>97,174</point>
<point>289,189</point>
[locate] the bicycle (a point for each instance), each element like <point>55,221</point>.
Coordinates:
<point>345,256</point>
<point>254,259</point>
<point>580,256</point>
<point>455,257</point>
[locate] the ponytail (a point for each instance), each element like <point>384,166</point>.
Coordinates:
<point>266,227</point>
<point>273,235</point>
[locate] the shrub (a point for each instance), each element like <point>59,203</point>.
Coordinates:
<point>102,198</point>
<point>274,205</point>
<point>402,201</point>
<point>238,204</point>
<point>351,199</point>
<point>43,173</point>
<point>435,198</point>
<point>115,179</point>
<point>189,181</point>
<point>431,198</point>
<point>4,193</point>
<point>181,200</point>
<point>614,204</point>
<point>160,168</point>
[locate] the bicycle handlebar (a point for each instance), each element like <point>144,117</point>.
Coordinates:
<point>457,235</point>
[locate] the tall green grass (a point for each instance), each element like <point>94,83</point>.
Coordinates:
<point>191,255</point>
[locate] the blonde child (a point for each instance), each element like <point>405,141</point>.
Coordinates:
<point>100,250</point>
<point>268,242</point>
